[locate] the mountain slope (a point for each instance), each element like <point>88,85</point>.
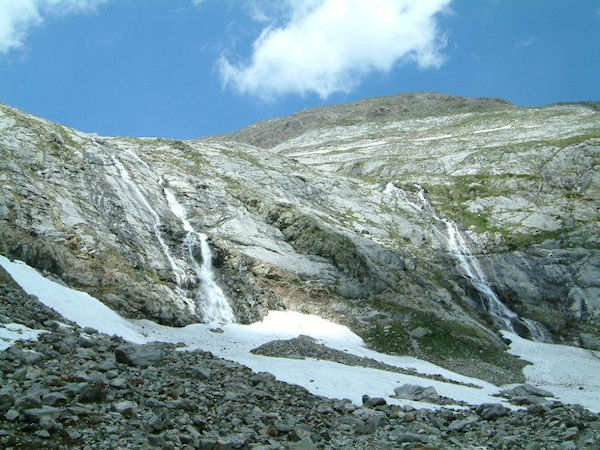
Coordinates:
<point>524,182</point>
<point>328,221</point>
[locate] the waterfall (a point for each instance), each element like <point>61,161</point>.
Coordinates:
<point>502,315</point>
<point>179,273</point>
<point>213,303</point>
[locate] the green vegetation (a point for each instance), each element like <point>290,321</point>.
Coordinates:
<point>590,104</point>
<point>452,344</point>
<point>309,237</point>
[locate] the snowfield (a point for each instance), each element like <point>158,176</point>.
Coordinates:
<point>570,373</point>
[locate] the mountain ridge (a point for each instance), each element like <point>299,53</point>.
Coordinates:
<point>268,133</point>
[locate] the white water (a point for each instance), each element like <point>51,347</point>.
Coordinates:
<point>212,301</point>
<point>180,275</point>
<point>502,315</point>
<point>392,191</point>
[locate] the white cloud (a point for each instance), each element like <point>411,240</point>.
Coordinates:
<point>524,43</point>
<point>18,17</point>
<point>329,46</point>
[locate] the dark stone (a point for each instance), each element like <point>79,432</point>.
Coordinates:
<point>93,392</point>
<point>201,373</point>
<point>54,399</point>
<point>491,411</point>
<point>43,416</point>
<point>156,424</point>
<point>7,400</point>
<point>371,402</point>
<point>140,355</point>
<point>27,402</point>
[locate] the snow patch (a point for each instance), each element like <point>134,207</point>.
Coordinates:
<point>552,367</point>
<point>570,373</point>
<point>13,332</point>
<point>76,306</point>
<point>489,130</point>
<point>433,138</point>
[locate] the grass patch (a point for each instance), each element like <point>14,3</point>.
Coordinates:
<point>456,345</point>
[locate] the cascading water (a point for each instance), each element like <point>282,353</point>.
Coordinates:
<point>500,313</point>
<point>179,273</point>
<point>396,193</point>
<point>214,304</point>
<point>212,300</point>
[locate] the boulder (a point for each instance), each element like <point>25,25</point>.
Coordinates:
<point>417,393</point>
<point>93,392</point>
<point>126,408</point>
<point>459,425</point>
<point>27,402</point>
<point>201,373</point>
<point>54,399</point>
<point>7,399</point>
<point>372,417</point>
<point>491,411</point>
<point>140,355</point>
<point>44,416</point>
<point>371,402</point>
<point>525,390</point>
<point>420,332</point>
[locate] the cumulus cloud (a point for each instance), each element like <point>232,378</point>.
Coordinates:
<point>328,46</point>
<point>18,17</point>
<point>524,43</point>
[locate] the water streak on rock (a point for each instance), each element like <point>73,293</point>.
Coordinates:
<point>179,273</point>
<point>502,315</point>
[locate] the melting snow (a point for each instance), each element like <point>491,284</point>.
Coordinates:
<point>572,374</point>
<point>434,138</point>
<point>13,332</point>
<point>489,130</point>
<point>550,369</point>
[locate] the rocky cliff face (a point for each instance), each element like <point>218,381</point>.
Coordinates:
<point>341,211</point>
<point>522,183</point>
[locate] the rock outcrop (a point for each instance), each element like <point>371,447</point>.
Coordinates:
<point>523,183</point>
<point>338,211</point>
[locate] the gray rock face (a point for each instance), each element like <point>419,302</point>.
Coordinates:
<point>320,213</point>
<point>140,355</point>
<point>527,198</point>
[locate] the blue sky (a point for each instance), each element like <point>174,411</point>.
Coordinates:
<point>189,68</point>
